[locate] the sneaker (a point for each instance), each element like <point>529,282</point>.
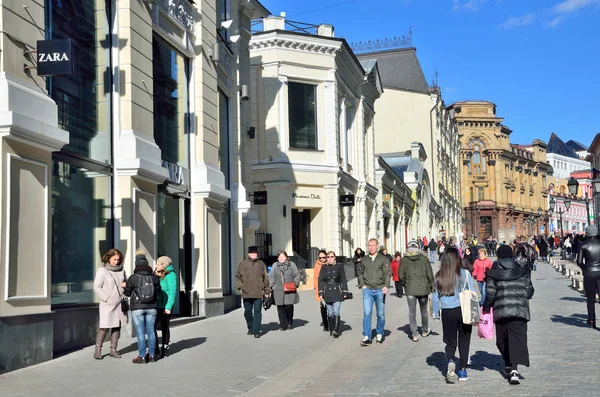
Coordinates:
<point>514,378</point>
<point>249,332</point>
<point>257,336</point>
<point>415,338</point>
<point>139,360</point>
<point>451,374</point>
<point>425,334</point>
<point>379,338</point>
<point>462,375</point>
<point>366,341</point>
<point>469,362</point>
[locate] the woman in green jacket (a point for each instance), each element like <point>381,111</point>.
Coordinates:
<point>168,284</point>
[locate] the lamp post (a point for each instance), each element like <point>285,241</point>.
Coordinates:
<point>595,192</point>
<point>549,212</point>
<point>567,204</point>
<point>540,211</point>
<point>573,186</point>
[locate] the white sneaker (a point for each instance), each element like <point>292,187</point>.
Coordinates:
<point>365,341</point>
<point>379,338</point>
<point>514,378</point>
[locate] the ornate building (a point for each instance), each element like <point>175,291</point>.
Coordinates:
<point>504,186</point>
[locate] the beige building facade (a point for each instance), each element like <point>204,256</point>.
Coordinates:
<point>138,147</point>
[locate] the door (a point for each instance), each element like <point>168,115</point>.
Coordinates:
<point>301,233</point>
<point>485,227</point>
<point>169,236</point>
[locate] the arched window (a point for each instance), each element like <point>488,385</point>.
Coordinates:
<point>563,190</point>
<point>478,160</point>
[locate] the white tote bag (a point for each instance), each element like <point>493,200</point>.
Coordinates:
<point>469,303</point>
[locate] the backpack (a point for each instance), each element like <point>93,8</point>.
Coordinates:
<point>146,291</point>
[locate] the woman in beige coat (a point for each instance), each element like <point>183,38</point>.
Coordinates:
<point>108,285</point>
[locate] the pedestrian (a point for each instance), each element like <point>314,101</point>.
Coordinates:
<point>480,266</point>
<point>432,249</point>
<point>588,259</point>
<point>395,266</point>
<point>333,287</point>
<point>374,276</point>
<point>417,278</point>
<point>467,260</point>
<point>321,260</point>
<point>252,279</point>
<point>383,251</point>
<point>450,280</point>
<point>144,288</point>
<point>108,285</point>
<point>358,255</point>
<point>166,300</point>
<point>508,290</point>
<point>284,280</point>
<point>441,248</point>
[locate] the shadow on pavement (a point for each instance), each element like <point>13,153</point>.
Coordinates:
<point>573,299</point>
<point>438,360</point>
<point>482,360</point>
<point>174,348</point>
<point>575,320</point>
<point>274,326</point>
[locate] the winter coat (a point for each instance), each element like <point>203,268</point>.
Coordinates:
<point>316,272</point>
<point>480,267</point>
<point>416,274</point>
<point>395,267</point>
<point>251,278</point>
<point>588,258</point>
<point>168,287</point>
<point>107,285</point>
<point>432,245</point>
<point>290,273</point>
<point>332,283</point>
<point>508,290</point>
<point>133,284</point>
<point>374,273</point>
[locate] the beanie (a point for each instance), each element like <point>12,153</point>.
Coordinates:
<point>504,252</point>
<point>164,260</point>
<point>140,257</point>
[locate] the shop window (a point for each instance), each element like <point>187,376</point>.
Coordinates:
<point>302,105</point>
<point>81,231</point>
<point>171,108</point>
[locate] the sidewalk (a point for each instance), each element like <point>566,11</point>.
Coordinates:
<point>214,357</point>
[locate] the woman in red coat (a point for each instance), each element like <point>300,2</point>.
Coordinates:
<point>395,265</point>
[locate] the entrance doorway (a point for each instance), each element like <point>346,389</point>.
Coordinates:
<point>301,236</point>
<point>485,227</point>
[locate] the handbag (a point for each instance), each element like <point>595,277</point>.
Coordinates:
<point>289,287</point>
<point>486,325</point>
<point>268,302</point>
<point>124,300</point>
<point>469,304</point>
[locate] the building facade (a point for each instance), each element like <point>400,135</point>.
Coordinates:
<point>313,166</point>
<point>137,147</point>
<point>504,186</point>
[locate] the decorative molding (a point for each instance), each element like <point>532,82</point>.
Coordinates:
<point>258,43</point>
<point>181,10</point>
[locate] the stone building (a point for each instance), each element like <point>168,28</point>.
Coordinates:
<point>504,186</point>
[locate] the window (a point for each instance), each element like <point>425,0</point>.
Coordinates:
<point>477,165</point>
<point>223,15</point>
<point>302,105</point>
<point>224,133</point>
<point>471,194</point>
<point>480,193</point>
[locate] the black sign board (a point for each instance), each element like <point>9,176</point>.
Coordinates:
<point>346,200</point>
<point>54,57</point>
<point>260,197</point>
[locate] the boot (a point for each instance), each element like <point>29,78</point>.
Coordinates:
<point>100,336</point>
<point>165,351</point>
<point>336,326</point>
<point>330,324</point>
<point>324,318</point>
<point>114,341</point>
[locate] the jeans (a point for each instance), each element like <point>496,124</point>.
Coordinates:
<point>371,296</point>
<point>481,285</point>
<point>431,255</point>
<point>412,313</point>
<point>143,320</point>
<point>333,309</point>
<point>253,314</point>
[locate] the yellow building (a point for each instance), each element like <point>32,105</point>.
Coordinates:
<point>504,186</point>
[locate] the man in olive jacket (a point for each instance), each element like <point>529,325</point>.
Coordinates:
<point>417,278</point>
<point>374,276</point>
<point>252,279</point>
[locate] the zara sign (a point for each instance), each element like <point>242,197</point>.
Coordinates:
<point>54,57</point>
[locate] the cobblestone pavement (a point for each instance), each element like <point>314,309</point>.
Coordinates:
<point>214,357</point>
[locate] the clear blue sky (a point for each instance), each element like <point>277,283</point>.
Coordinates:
<point>538,60</point>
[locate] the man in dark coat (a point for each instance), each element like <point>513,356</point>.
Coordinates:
<point>252,279</point>
<point>588,259</point>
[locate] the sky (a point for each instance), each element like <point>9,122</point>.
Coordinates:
<point>537,60</point>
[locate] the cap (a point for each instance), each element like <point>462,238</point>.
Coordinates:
<point>253,249</point>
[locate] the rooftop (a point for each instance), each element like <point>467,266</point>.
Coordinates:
<point>557,146</point>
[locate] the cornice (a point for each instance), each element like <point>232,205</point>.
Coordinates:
<point>306,43</point>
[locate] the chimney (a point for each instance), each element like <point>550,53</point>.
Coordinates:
<point>325,30</point>
<point>273,22</point>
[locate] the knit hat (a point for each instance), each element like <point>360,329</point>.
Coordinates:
<point>140,257</point>
<point>164,260</point>
<point>504,252</point>
<point>591,230</point>
<point>413,244</point>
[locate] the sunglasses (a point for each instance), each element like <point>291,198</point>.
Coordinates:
<point>322,257</point>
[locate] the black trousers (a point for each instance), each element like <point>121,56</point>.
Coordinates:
<point>163,321</point>
<point>454,329</point>
<point>398,286</point>
<point>591,285</point>
<point>511,339</point>
<point>286,315</point>
<point>253,314</point>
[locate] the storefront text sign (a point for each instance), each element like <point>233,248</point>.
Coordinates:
<point>175,172</point>
<point>55,57</point>
<point>260,197</point>
<point>307,198</point>
<point>346,200</point>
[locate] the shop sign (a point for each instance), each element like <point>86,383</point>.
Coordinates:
<point>260,197</point>
<point>310,196</point>
<point>307,198</point>
<point>346,200</point>
<point>54,57</point>
<point>175,172</point>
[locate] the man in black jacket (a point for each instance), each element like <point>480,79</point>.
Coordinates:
<point>588,259</point>
<point>432,249</point>
<point>144,288</point>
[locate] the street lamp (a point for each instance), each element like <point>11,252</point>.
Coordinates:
<point>595,192</point>
<point>540,211</point>
<point>573,186</point>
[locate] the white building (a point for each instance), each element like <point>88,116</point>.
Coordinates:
<point>313,151</point>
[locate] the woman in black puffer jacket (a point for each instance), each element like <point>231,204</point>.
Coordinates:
<point>508,292</point>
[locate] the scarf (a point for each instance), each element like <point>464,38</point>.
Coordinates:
<point>114,268</point>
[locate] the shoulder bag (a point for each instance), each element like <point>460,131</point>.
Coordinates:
<point>469,304</point>
<point>124,300</point>
<point>289,287</point>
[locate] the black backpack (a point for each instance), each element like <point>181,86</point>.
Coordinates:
<point>146,291</point>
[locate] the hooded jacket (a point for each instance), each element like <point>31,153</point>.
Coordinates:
<point>416,274</point>
<point>508,290</point>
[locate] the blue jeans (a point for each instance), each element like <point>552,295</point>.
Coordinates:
<point>481,285</point>
<point>431,255</point>
<point>371,296</point>
<point>333,309</point>
<point>143,320</point>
